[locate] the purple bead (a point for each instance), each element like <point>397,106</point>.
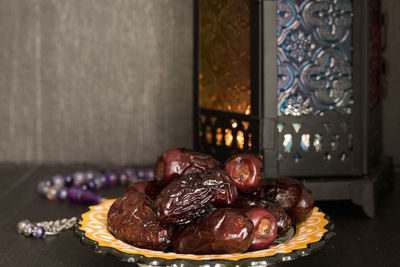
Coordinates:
<point>38,232</point>
<point>104,180</point>
<point>141,174</point>
<point>123,179</point>
<point>68,180</point>
<point>48,182</point>
<point>42,188</point>
<point>91,185</point>
<point>62,193</point>
<point>90,175</point>
<point>79,178</point>
<point>112,178</point>
<point>149,174</point>
<point>130,172</point>
<point>90,198</point>
<point>98,183</point>
<point>75,194</point>
<point>58,181</point>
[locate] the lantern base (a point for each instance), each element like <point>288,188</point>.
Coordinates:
<point>362,191</point>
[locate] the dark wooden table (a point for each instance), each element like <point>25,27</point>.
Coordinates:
<point>359,242</point>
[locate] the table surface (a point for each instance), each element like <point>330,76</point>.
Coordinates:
<point>359,241</point>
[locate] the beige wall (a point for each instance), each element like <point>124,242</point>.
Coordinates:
<point>110,80</point>
<point>94,80</point>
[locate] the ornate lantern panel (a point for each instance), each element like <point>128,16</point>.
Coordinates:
<point>297,80</point>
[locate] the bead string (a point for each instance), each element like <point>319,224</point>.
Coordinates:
<point>46,228</point>
<point>79,187</point>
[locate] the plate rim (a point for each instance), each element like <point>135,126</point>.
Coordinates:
<point>156,261</point>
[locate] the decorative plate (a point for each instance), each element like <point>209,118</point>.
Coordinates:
<point>308,237</point>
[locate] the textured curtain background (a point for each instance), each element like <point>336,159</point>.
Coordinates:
<point>94,80</point>
<point>111,80</point>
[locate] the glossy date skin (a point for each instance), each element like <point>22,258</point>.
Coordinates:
<point>192,195</point>
<point>265,227</point>
<point>132,219</point>
<point>150,188</point>
<point>220,231</point>
<point>177,162</point>
<point>292,195</point>
<point>303,208</point>
<point>246,170</point>
<point>283,220</point>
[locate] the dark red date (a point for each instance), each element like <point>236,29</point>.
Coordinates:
<point>303,208</point>
<point>132,219</point>
<point>283,220</point>
<point>246,170</point>
<point>265,227</point>
<point>150,188</point>
<point>176,162</point>
<point>220,231</point>
<point>285,191</point>
<point>191,195</point>
<point>292,195</point>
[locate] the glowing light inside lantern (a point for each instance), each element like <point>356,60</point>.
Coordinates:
<point>234,124</point>
<point>209,134</point>
<point>240,139</point>
<point>228,137</point>
<point>250,144</point>
<point>219,136</point>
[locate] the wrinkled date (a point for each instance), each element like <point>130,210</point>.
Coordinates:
<point>265,227</point>
<point>176,162</point>
<point>283,220</point>
<point>132,219</point>
<point>303,208</point>
<point>285,191</point>
<point>291,195</point>
<point>220,231</point>
<point>193,194</point>
<point>246,170</point>
<point>150,188</point>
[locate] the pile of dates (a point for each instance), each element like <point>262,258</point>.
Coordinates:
<point>197,205</point>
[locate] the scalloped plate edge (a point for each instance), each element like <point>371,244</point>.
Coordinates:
<point>259,261</point>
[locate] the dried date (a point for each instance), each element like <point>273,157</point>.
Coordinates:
<point>246,170</point>
<point>132,219</point>
<point>304,206</point>
<point>150,188</point>
<point>265,227</point>
<point>283,220</point>
<point>220,231</point>
<point>176,162</point>
<point>193,194</point>
<point>292,195</point>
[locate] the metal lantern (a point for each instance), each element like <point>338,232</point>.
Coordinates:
<point>298,81</point>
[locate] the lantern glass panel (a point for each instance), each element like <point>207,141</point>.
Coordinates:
<point>315,57</point>
<point>224,67</point>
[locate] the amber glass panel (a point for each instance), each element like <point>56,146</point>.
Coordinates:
<point>224,77</point>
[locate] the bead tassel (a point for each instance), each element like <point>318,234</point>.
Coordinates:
<point>79,187</point>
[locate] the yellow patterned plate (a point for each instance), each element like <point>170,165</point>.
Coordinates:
<point>308,237</point>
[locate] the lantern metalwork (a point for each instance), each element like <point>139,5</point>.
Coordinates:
<point>298,81</point>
